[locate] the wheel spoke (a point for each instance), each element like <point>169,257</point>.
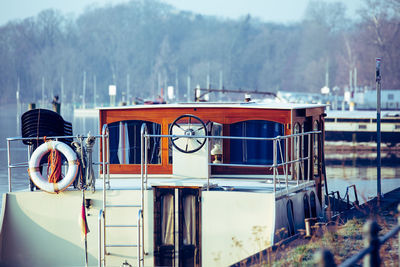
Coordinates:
<point>197,140</point>
<point>176,138</point>
<point>179,126</point>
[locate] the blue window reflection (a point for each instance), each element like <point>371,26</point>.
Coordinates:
<point>255,152</point>
<point>125,142</point>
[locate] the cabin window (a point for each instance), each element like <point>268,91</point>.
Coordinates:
<point>313,205</point>
<point>164,226</point>
<point>125,142</point>
<point>290,217</point>
<point>189,220</point>
<point>167,219</point>
<point>306,206</point>
<point>216,144</point>
<point>189,227</point>
<point>297,151</point>
<point>316,149</point>
<point>255,152</point>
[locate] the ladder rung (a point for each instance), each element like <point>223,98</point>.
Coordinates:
<point>123,206</point>
<point>121,225</point>
<point>121,246</point>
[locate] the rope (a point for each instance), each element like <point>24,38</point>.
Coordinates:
<point>54,165</point>
<point>90,179</point>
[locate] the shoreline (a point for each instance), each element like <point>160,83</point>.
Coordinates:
<point>342,236</point>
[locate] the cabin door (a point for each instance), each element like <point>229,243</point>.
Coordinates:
<point>177,227</point>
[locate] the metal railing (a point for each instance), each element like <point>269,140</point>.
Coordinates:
<point>102,214</point>
<point>370,253</point>
<point>101,247</point>
<point>336,202</point>
<point>105,172</point>
<point>11,165</point>
<point>277,147</point>
<point>101,244</point>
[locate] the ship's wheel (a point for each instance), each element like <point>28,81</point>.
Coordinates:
<point>191,126</point>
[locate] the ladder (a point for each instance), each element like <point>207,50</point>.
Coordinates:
<point>104,215</point>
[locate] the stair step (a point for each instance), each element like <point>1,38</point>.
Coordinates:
<point>121,225</point>
<point>120,246</point>
<point>123,206</point>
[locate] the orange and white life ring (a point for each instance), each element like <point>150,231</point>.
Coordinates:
<point>34,164</point>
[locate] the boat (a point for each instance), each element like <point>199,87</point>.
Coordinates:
<point>360,126</point>
<point>188,184</point>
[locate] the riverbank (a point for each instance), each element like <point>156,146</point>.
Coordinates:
<point>342,236</point>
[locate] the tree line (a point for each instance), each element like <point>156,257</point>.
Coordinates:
<point>143,46</point>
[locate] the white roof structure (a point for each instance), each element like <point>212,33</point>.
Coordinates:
<point>221,105</point>
<point>361,114</point>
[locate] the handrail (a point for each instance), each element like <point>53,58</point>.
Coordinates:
<point>235,137</point>
<point>140,246</point>
<point>100,218</point>
<point>340,200</point>
<point>105,171</point>
<point>143,182</point>
<point>276,142</point>
<point>50,137</point>
<point>11,165</point>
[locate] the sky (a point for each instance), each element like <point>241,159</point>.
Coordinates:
<point>281,11</point>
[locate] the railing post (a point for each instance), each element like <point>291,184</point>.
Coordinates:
<point>105,169</point>
<point>371,239</point>
<point>143,182</point>
<point>309,157</point>
<point>292,157</point>
<point>286,163</point>
<point>302,163</point>
<point>324,258</point>
<point>140,257</point>
<point>398,220</point>
<point>355,195</point>
<point>101,216</point>
<point>9,165</point>
<point>274,160</point>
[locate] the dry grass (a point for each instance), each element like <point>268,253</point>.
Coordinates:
<point>343,239</point>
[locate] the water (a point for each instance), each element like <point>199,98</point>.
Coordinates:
<point>343,168</point>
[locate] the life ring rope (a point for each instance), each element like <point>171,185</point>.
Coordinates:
<point>55,182</point>
<point>54,166</point>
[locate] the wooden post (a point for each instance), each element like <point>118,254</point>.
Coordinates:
<point>324,258</point>
<point>31,106</point>
<point>371,230</point>
<point>309,224</point>
<point>57,107</point>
